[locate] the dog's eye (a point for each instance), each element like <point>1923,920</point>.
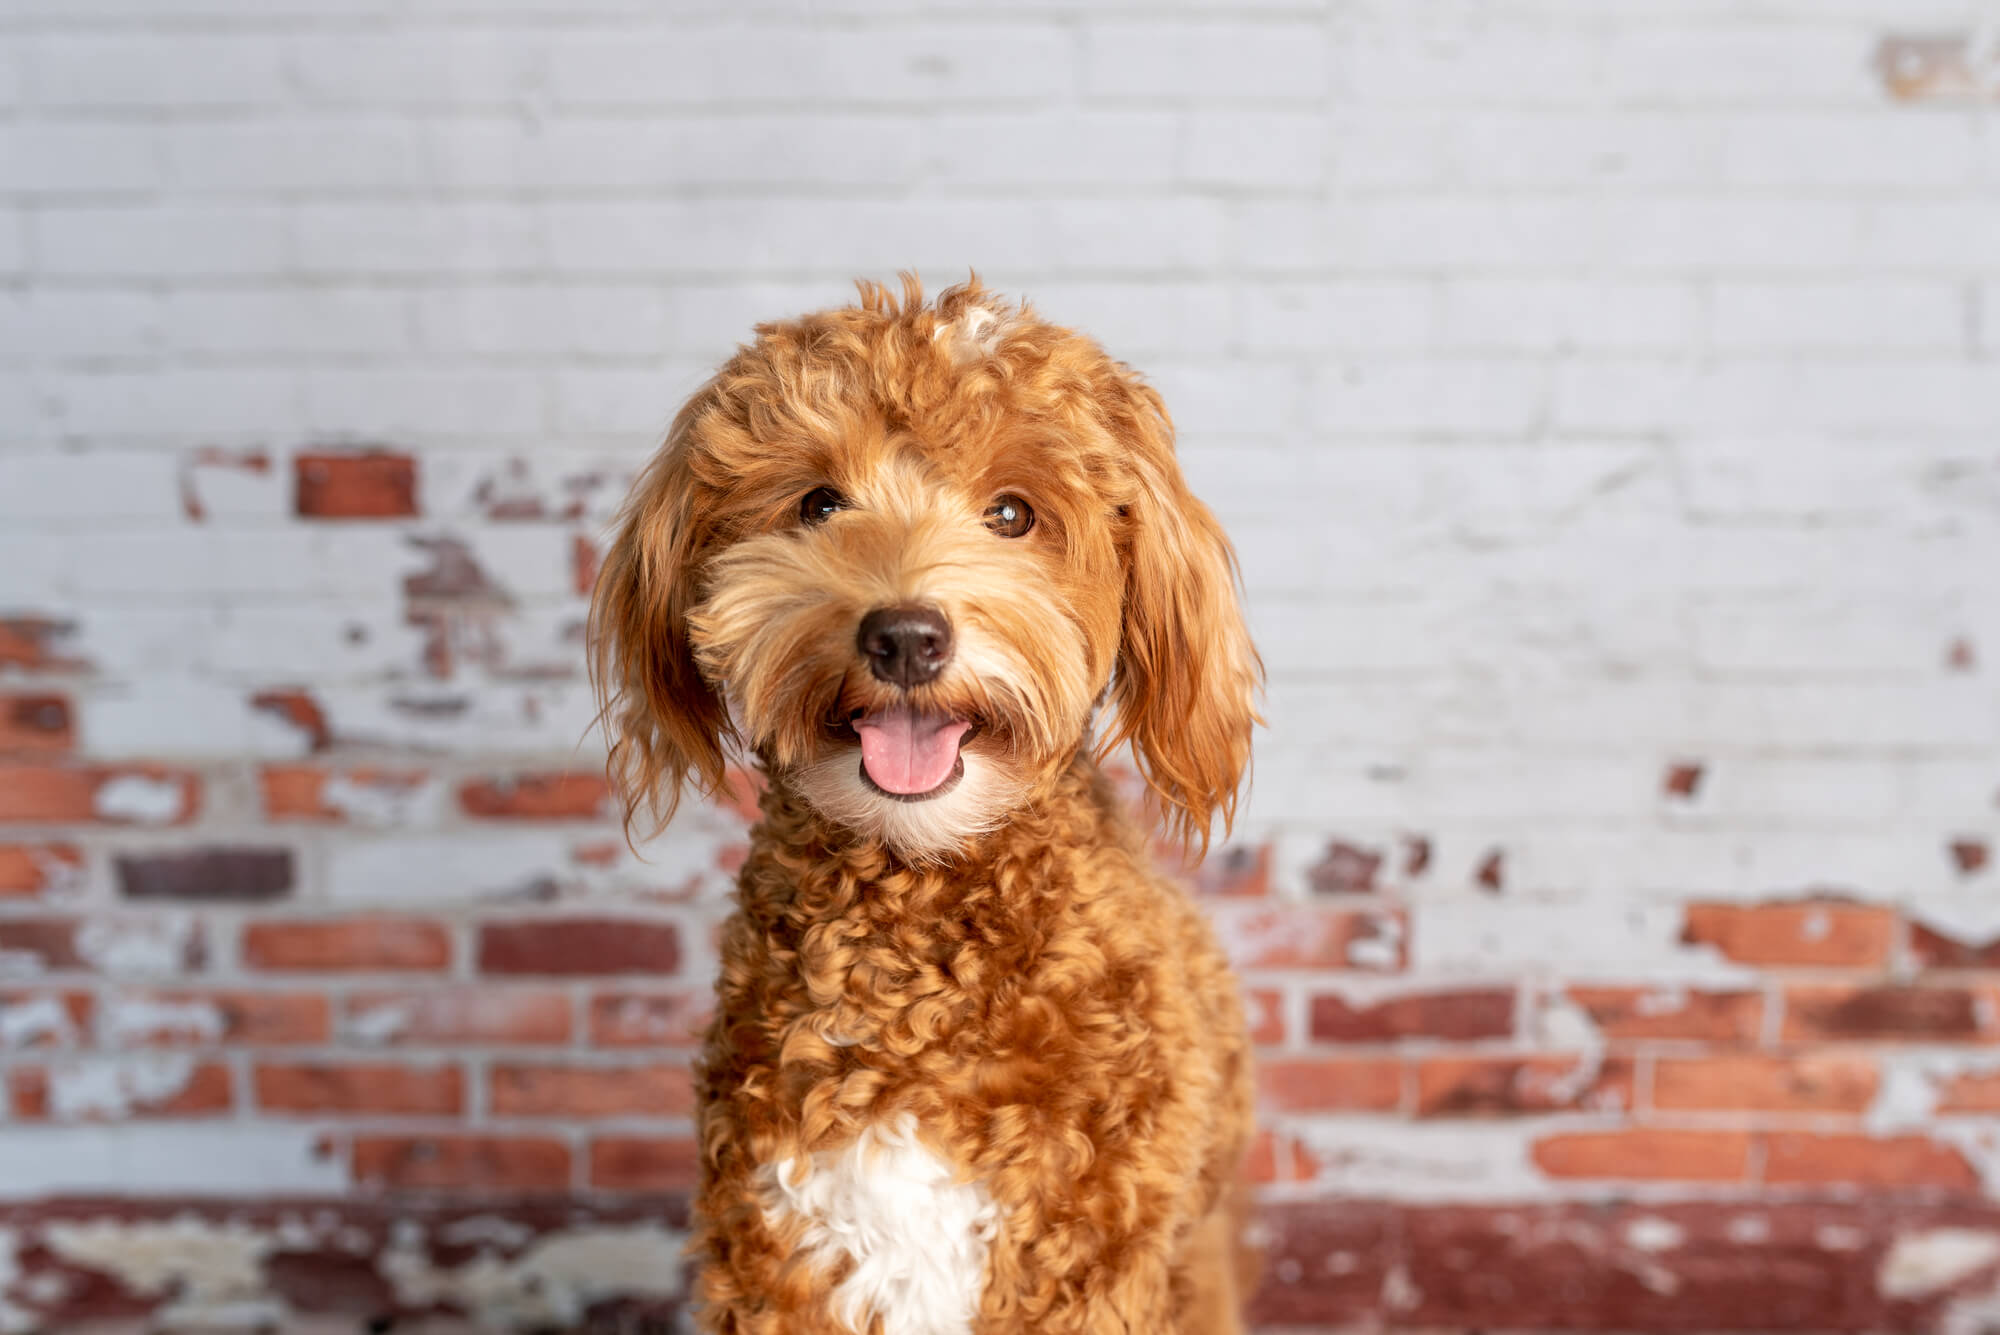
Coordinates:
<point>1010,517</point>
<point>819,505</point>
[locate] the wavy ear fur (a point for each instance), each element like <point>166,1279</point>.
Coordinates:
<point>1187,675</point>
<point>665,724</point>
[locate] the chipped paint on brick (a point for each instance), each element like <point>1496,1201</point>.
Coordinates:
<point>204,1271</point>
<point>113,1088</point>
<point>555,1280</point>
<point>125,1019</point>
<point>1921,1264</point>
<point>35,1020</point>
<point>160,944</point>
<point>140,799</point>
<point>1938,67</point>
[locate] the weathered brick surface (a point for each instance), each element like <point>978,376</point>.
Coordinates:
<point>1601,401</point>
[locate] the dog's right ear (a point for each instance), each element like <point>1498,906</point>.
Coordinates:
<point>665,724</point>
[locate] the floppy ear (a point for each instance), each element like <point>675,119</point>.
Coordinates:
<point>664,722</point>
<point>1187,675</point>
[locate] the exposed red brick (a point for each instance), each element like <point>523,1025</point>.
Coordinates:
<point>1760,1083</point>
<point>45,1019</point>
<point>1889,1162</point>
<point>464,1015</point>
<point>206,1093</point>
<point>1931,67</point>
<point>347,943</point>
<point>1819,933</point>
<point>1658,1012</point>
<point>248,461</point>
<point>35,723</point>
<point>1274,1156</point>
<point>1970,1092</point>
<point>326,1089</point>
<point>30,642</point>
<point>544,1090</point>
<point>1264,1012</point>
<point>1516,1086</point>
<point>58,794</point>
<point>470,1163</point>
<point>372,484</point>
<point>1416,855</point>
<point>1346,869</point>
<point>182,1016</point>
<point>1683,780</point>
<point>558,796</point>
<point>1832,1011</point>
<point>215,875</point>
<point>1492,872</point>
<point>31,869</point>
<point>1313,937</point>
<point>579,946</point>
<point>298,708</point>
<point>742,790</point>
<point>299,792</point>
<point>1970,856</point>
<point>1465,1014</point>
<point>643,1163</point>
<point>649,1019</point>
<point>41,943</point>
<point>584,562</point>
<point>1238,871</point>
<point>1331,1084</point>
<point>1960,656</point>
<point>1934,949</point>
<point>1646,1154</point>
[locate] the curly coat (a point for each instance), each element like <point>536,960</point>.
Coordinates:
<point>986,998</point>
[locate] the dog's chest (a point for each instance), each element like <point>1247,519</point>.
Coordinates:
<point>913,1237</point>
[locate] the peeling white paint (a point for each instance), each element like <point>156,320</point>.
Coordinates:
<point>124,1019</point>
<point>1840,1238</point>
<point>137,945</point>
<point>1921,1264</point>
<point>115,1087</point>
<point>1399,1292</point>
<point>1381,948</point>
<point>169,1159</point>
<point>13,1320</point>
<point>384,801</point>
<point>1651,1233</point>
<point>36,1020</point>
<point>1561,1023</point>
<point>381,1023</point>
<point>1446,1163</point>
<point>213,1271</point>
<point>1749,1228</point>
<point>138,799</point>
<point>556,1280</point>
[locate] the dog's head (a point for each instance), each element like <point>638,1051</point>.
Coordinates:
<point>902,552</point>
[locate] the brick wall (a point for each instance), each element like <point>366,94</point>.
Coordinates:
<point>1602,397</point>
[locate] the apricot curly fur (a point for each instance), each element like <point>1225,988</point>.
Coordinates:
<point>1009,968</point>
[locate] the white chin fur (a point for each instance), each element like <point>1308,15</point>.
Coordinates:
<point>922,831</point>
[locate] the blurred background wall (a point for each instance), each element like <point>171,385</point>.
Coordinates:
<point>1603,397</point>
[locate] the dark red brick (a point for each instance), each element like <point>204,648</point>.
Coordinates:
<point>1463,1014</point>
<point>372,484</point>
<point>556,796</point>
<point>214,875</point>
<point>35,723</point>
<point>462,1162</point>
<point>579,946</point>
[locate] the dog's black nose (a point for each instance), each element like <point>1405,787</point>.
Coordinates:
<point>907,645</point>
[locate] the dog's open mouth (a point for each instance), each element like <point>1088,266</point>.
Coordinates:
<point>911,756</point>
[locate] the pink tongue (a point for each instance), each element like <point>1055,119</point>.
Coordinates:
<point>907,752</point>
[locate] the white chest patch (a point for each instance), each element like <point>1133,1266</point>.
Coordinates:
<point>915,1237</point>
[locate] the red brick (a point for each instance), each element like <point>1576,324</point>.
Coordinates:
<point>35,723</point>
<point>299,792</point>
<point>584,562</point>
<point>1518,1086</point>
<point>523,1090</point>
<point>1646,1155</point>
<point>579,946</point>
<point>1237,872</point>
<point>1682,780</point>
<point>1759,1083</point>
<point>1823,934</point>
<point>1934,949</point>
<point>30,642</point>
<point>1302,937</point>
<point>643,1163</point>
<point>352,1087</point>
<point>369,943</point>
<point>1970,1092</point>
<point>52,794</point>
<point>1345,869</point>
<point>372,484</point>
<point>298,707</point>
<point>649,1019</point>
<point>205,1094</point>
<point>537,797</point>
<point>1931,1014</point>
<point>43,943</point>
<point>167,1019</point>
<point>1969,856</point>
<point>1276,1157</point>
<point>471,1163</point>
<point>1331,1084</point>
<point>1796,1158</point>
<point>1657,1012</point>
<point>1264,1012</point>
<point>31,869</point>
<point>1464,1014</point>
<point>45,1019</point>
<point>470,1015</point>
<point>216,875</point>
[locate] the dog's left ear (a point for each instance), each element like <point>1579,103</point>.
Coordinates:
<point>1187,676</point>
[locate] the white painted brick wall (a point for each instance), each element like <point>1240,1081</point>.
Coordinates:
<point>1590,388</point>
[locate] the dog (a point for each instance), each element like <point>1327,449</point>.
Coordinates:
<point>975,1065</point>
